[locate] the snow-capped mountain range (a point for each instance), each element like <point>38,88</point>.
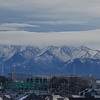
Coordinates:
<point>49,60</point>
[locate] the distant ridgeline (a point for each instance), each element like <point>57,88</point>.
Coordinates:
<point>60,60</point>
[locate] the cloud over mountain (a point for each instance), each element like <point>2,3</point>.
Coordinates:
<point>50,22</point>
<point>77,38</point>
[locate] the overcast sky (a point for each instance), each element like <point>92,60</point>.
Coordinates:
<point>50,22</point>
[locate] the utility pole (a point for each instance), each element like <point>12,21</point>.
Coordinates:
<point>60,70</point>
<point>2,69</point>
<point>14,71</point>
<point>68,84</point>
<point>74,70</point>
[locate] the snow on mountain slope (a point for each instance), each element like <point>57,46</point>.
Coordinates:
<point>6,52</point>
<point>30,52</point>
<point>45,57</point>
<point>63,53</point>
<point>56,53</point>
<point>50,58</point>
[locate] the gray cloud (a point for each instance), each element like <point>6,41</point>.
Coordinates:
<point>88,38</point>
<point>14,26</point>
<point>50,15</point>
<point>52,12</point>
<point>61,22</point>
<point>53,8</point>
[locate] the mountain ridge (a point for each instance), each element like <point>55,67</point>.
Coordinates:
<point>50,60</point>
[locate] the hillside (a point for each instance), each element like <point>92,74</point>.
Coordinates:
<point>49,60</point>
